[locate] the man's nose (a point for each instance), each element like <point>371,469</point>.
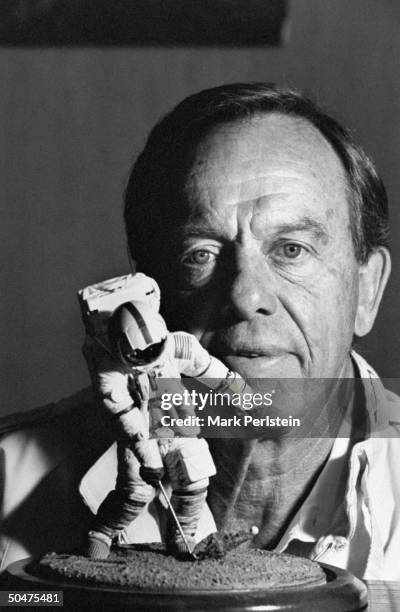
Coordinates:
<point>253,289</point>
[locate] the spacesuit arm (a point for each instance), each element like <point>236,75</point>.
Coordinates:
<point>128,420</point>
<point>115,398</point>
<point>196,361</point>
<point>111,385</point>
<point>193,359</point>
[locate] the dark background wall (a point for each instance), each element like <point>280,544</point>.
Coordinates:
<point>73,119</point>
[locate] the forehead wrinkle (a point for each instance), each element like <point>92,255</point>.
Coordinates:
<point>209,202</point>
<point>271,177</point>
<point>203,166</point>
<point>261,225</point>
<point>257,215</point>
<point>233,190</point>
<point>199,230</point>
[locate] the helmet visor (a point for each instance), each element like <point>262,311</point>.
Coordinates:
<point>137,357</point>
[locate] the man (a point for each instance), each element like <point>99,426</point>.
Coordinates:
<point>266,214</point>
<point>266,228</point>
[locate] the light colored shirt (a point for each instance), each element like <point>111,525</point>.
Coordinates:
<point>360,530</point>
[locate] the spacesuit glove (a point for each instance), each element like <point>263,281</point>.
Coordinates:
<point>233,383</point>
<point>147,453</point>
<point>151,466</point>
<point>151,475</point>
<point>238,389</point>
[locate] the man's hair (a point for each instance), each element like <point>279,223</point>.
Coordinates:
<point>153,197</point>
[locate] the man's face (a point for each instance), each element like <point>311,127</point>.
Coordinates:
<point>268,275</point>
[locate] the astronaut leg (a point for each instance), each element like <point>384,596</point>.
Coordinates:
<point>188,505</point>
<point>121,506</point>
<point>189,465</point>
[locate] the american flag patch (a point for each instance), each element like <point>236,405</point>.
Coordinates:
<point>183,346</point>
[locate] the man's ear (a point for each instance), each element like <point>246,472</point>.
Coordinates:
<point>373,276</point>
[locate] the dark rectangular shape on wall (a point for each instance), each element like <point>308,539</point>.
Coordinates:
<point>142,22</point>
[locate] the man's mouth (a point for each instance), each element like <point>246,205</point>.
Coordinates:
<point>255,353</point>
<point>260,361</point>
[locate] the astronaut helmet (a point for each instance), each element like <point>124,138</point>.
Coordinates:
<point>138,334</point>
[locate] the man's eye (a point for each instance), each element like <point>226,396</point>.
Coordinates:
<point>200,257</point>
<point>292,250</point>
<point>198,264</point>
<point>287,252</point>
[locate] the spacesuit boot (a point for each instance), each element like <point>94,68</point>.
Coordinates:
<point>97,545</point>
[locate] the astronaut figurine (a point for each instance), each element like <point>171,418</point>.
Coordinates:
<point>145,354</point>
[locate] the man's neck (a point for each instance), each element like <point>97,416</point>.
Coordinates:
<point>274,476</point>
<point>295,464</point>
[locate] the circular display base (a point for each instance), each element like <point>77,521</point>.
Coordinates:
<point>342,593</point>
